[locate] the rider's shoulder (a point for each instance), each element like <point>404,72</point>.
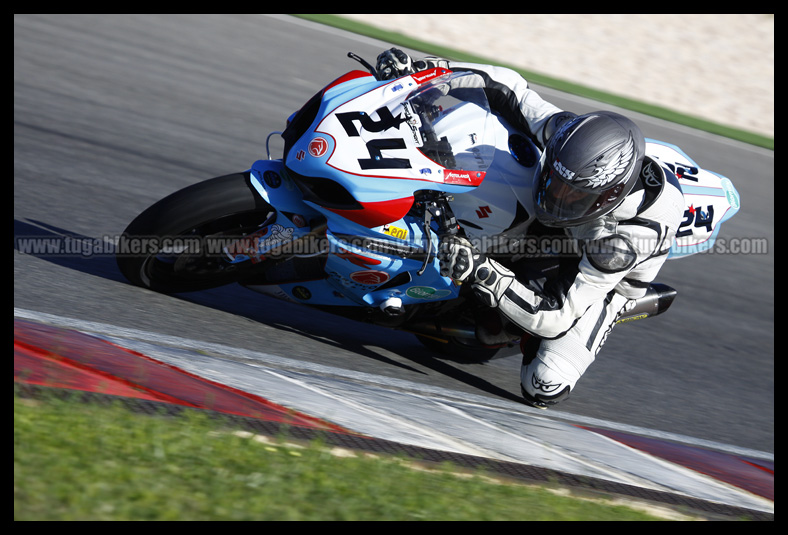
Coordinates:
<point>663,199</point>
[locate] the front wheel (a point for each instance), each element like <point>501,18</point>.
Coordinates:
<point>175,245</point>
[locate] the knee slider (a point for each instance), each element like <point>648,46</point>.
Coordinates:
<point>544,383</point>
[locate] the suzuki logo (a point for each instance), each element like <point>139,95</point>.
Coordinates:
<point>483,211</point>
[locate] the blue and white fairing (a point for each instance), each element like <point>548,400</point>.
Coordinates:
<point>371,146</point>
<point>709,197</point>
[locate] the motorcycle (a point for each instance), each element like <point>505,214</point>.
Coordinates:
<point>374,173</point>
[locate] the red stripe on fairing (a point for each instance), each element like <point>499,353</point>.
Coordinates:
<point>352,75</point>
<point>375,214</point>
<point>419,77</point>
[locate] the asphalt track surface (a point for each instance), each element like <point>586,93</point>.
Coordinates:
<point>112,113</point>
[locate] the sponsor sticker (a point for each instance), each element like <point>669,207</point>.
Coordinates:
<point>298,220</point>
<point>369,278</point>
<point>730,193</point>
<point>396,232</point>
<point>357,259</point>
<point>256,245</point>
<point>318,147</point>
<point>426,292</point>
<point>426,76</point>
<point>272,179</point>
<point>299,292</point>
<point>463,178</point>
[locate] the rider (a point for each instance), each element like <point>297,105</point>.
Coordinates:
<point>596,184</point>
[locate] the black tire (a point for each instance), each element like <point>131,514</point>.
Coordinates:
<point>226,206</point>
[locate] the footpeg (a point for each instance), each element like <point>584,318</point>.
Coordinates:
<point>393,306</point>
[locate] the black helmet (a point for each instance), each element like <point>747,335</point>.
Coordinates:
<point>587,168</point>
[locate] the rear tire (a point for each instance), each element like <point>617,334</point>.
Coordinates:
<point>222,207</point>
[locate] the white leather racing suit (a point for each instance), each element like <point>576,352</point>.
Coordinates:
<point>622,253</point>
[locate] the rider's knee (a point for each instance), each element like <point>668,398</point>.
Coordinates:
<point>548,374</point>
<point>543,385</point>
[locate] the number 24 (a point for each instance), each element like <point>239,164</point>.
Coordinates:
<point>700,219</point>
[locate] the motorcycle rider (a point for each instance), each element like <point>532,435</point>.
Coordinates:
<point>595,183</point>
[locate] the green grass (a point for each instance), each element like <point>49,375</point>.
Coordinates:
<point>79,461</point>
<point>398,39</point>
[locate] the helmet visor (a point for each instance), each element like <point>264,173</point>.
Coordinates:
<point>561,204</point>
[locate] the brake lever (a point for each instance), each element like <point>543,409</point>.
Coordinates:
<point>446,223</point>
<point>428,237</point>
<point>361,60</point>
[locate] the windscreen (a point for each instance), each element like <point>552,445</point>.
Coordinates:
<point>450,121</point>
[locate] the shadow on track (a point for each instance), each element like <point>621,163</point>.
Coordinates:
<point>95,256</point>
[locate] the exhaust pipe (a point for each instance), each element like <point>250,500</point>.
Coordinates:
<point>656,301</point>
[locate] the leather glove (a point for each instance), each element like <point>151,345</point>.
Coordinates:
<point>463,263</point>
<point>394,63</point>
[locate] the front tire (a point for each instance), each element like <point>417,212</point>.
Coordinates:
<point>163,249</point>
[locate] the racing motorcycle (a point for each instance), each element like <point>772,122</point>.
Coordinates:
<point>374,173</point>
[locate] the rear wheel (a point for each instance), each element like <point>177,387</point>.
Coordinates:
<point>174,246</point>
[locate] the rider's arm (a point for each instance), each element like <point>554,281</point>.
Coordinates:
<point>511,97</point>
<point>551,311</point>
<point>622,257</point>
<point>547,310</point>
<point>507,92</point>
<point>625,259</point>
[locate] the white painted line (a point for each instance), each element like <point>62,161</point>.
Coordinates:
<point>252,357</point>
<point>430,434</point>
